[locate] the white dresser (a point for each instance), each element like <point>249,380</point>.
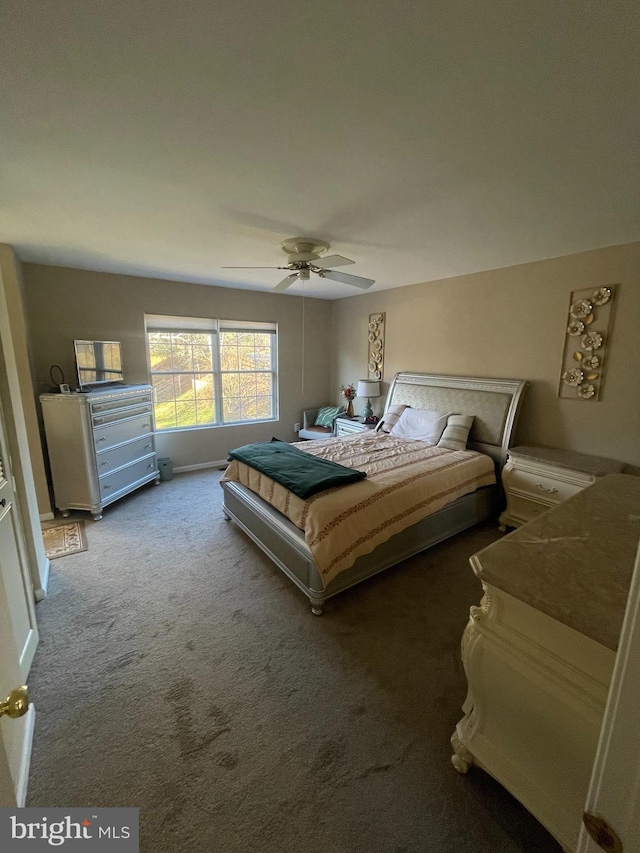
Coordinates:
<point>538,478</point>
<point>101,445</point>
<point>539,650</point>
<point>349,426</point>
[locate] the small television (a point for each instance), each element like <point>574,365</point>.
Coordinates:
<point>98,363</point>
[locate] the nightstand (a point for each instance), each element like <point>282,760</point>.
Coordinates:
<point>538,478</point>
<point>349,426</point>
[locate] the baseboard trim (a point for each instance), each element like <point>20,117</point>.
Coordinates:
<point>25,757</point>
<point>46,516</point>
<point>41,591</point>
<point>221,463</point>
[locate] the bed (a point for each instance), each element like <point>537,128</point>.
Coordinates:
<point>495,404</point>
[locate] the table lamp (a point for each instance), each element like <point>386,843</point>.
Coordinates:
<point>368,388</point>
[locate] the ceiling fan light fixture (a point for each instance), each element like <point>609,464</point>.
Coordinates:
<point>302,255</point>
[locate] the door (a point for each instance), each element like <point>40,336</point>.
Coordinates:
<point>612,810</point>
<point>18,638</point>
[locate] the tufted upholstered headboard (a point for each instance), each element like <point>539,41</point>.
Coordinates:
<point>495,403</point>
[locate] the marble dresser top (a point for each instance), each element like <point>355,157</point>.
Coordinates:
<point>595,465</point>
<point>575,561</point>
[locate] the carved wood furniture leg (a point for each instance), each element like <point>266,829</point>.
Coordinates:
<point>461,759</point>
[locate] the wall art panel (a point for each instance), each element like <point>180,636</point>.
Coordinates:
<point>587,338</point>
<point>376,346</point>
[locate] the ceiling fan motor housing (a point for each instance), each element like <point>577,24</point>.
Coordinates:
<point>303,249</point>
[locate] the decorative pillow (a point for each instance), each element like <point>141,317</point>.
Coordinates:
<point>421,424</point>
<point>390,417</point>
<point>327,414</point>
<point>456,432</point>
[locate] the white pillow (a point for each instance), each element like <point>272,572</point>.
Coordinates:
<point>456,432</point>
<point>390,417</point>
<point>421,424</point>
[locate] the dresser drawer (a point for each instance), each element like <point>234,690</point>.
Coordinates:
<point>120,403</point>
<point>542,487</point>
<point>112,484</point>
<point>109,460</point>
<point>526,509</point>
<point>125,430</point>
<point>344,427</point>
<point>106,418</point>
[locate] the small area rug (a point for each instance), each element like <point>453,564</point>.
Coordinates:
<point>62,539</point>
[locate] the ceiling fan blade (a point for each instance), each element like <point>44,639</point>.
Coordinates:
<point>346,278</point>
<point>286,282</point>
<point>253,268</point>
<point>332,261</point>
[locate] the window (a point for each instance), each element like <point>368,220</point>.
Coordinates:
<point>211,372</point>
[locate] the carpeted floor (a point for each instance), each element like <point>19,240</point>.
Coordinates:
<point>179,671</point>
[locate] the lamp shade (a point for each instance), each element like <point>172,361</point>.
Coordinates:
<point>368,388</point>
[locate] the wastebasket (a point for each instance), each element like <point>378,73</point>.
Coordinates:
<point>165,467</point>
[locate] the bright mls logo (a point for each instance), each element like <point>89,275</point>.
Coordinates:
<point>70,829</point>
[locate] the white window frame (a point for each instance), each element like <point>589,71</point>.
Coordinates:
<point>213,327</point>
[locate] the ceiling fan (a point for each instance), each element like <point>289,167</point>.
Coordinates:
<point>304,258</point>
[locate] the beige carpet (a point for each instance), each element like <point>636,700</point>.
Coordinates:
<point>179,671</point>
<point>62,538</point>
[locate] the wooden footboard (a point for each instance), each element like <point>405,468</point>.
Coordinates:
<point>284,543</point>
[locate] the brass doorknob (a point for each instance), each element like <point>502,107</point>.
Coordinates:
<point>602,833</point>
<point>16,703</point>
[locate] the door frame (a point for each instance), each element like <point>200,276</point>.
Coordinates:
<point>614,792</point>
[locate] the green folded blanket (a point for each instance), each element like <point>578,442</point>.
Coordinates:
<point>300,472</point>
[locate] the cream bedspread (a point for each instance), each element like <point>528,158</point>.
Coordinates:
<point>406,481</point>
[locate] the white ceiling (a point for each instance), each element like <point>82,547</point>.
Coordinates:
<point>422,139</point>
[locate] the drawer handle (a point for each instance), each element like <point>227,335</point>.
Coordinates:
<point>545,489</point>
<point>104,463</point>
<point>147,446</point>
<point>145,425</point>
<point>151,465</point>
<point>3,503</point>
<point>107,485</point>
<point>103,438</point>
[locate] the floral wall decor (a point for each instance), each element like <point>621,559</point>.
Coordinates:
<point>587,336</point>
<point>376,346</point>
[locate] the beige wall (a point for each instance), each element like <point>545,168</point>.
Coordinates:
<point>65,304</point>
<point>508,322</point>
<point>511,323</point>
<point>13,284</point>
<point>19,415</point>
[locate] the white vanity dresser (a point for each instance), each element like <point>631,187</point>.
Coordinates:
<point>539,650</point>
<point>101,445</point>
